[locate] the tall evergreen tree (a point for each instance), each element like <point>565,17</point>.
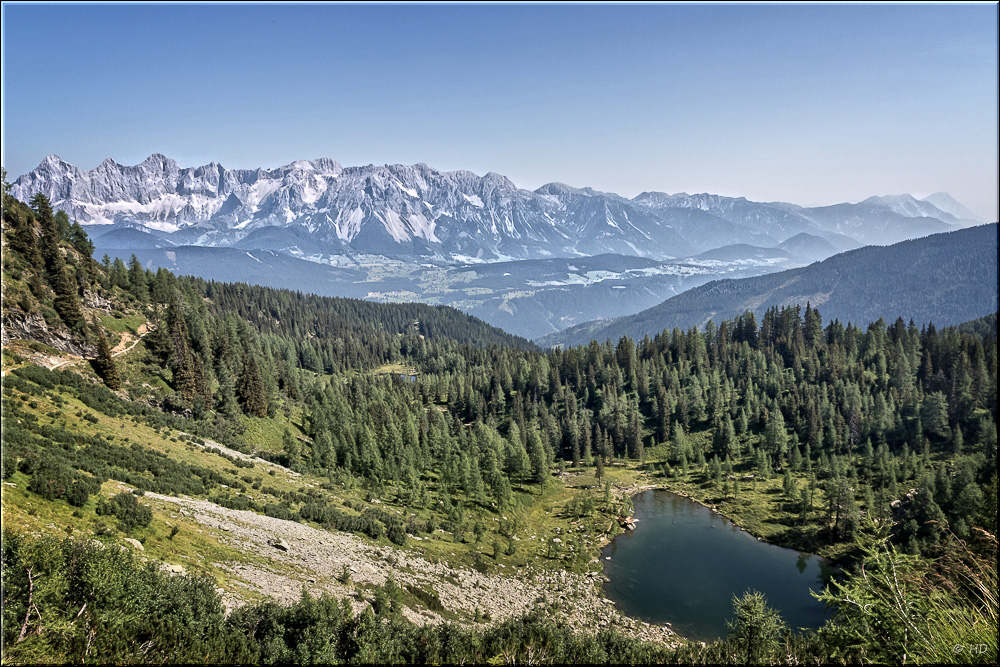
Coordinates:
<point>104,364</point>
<point>251,388</point>
<point>137,279</point>
<point>186,383</point>
<point>66,302</point>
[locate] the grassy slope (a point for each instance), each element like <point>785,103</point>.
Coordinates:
<point>540,513</point>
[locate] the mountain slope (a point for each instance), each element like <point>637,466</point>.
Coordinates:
<point>945,278</point>
<point>873,222</point>
<point>910,207</point>
<point>740,251</point>
<point>808,246</point>
<point>945,202</point>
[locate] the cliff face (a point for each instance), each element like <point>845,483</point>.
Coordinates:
<point>19,325</point>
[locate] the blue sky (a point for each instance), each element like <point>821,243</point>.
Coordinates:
<point>812,104</point>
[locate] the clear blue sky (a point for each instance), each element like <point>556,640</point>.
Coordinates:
<point>810,104</point>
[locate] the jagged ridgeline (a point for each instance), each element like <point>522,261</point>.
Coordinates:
<point>414,212</point>
<point>395,422</point>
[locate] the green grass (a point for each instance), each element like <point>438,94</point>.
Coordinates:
<point>36,346</point>
<point>538,513</point>
<point>129,323</point>
<point>193,546</point>
<point>267,433</point>
<point>395,369</point>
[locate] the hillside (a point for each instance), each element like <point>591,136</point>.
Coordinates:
<point>376,482</point>
<point>256,425</point>
<point>945,278</point>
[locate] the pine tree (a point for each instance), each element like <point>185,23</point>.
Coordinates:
<point>251,388</point>
<point>181,361</point>
<point>788,485</point>
<point>633,433</point>
<point>104,364</point>
<point>225,395</point>
<point>756,629</point>
<point>775,437</point>
<point>66,302</point>
<point>80,241</point>
<point>538,457</point>
<point>22,235</point>
<point>137,280</point>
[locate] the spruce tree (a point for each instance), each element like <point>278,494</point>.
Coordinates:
<point>66,302</point>
<point>251,388</point>
<point>22,235</point>
<point>137,280</point>
<point>104,364</point>
<point>181,361</point>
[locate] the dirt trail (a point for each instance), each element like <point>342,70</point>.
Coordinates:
<point>121,348</point>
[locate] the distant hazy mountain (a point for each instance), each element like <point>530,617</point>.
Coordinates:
<point>121,238</point>
<point>809,247</point>
<point>318,209</point>
<point>530,297</point>
<point>945,278</point>
<point>754,223</point>
<point>874,222</point>
<point>945,202</point>
<point>910,207</point>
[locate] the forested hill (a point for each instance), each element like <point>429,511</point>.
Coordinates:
<point>984,326</point>
<point>945,278</point>
<point>294,313</point>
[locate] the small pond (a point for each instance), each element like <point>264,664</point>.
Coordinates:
<point>684,563</point>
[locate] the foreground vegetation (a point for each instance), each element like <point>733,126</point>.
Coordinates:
<point>423,428</point>
<point>80,601</point>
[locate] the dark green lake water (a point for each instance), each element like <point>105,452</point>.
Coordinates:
<point>684,563</point>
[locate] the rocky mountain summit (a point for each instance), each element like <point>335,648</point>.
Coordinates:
<point>315,209</point>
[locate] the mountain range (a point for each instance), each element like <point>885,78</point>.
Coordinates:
<point>945,278</point>
<point>319,210</point>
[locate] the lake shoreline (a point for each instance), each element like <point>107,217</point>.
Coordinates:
<point>694,609</point>
<point>635,490</point>
<point>838,560</point>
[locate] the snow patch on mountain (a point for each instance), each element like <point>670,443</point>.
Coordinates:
<point>415,213</point>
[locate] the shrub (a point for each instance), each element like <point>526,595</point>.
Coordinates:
<point>125,507</point>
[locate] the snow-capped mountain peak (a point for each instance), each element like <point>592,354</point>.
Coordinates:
<point>316,208</point>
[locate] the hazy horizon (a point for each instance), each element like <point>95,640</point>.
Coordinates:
<point>808,104</point>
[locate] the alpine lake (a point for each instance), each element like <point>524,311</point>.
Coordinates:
<point>684,563</point>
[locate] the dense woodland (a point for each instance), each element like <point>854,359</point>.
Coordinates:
<point>890,424</point>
